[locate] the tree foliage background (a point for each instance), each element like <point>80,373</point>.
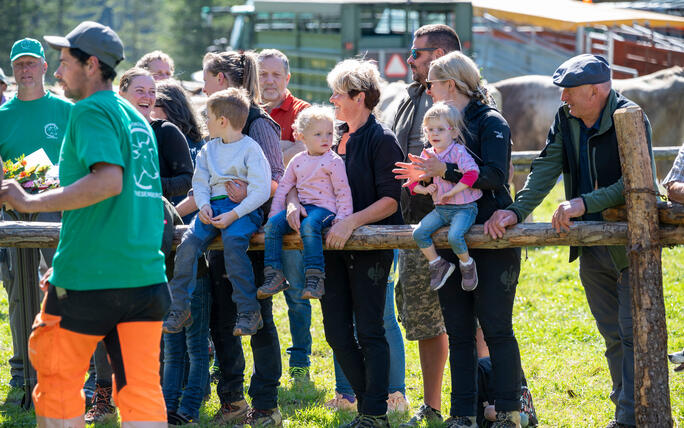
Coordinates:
<point>174,26</point>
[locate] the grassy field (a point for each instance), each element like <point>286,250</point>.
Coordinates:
<point>562,352</point>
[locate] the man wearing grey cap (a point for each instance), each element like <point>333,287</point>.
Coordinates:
<point>108,279</point>
<point>31,120</point>
<point>582,145</point>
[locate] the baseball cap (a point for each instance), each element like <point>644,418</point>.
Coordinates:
<point>30,47</point>
<point>585,69</point>
<point>94,39</point>
<point>3,78</point>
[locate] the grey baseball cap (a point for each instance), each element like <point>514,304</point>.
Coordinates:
<point>94,39</point>
<point>3,78</point>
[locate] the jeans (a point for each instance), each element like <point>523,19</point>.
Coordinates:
<point>298,309</point>
<point>235,243</point>
<point>355,286</point>
<point>492,303</point>
<point>317,218</point>
<point>265,380</point>
<point>460,217</point>
<point>609,296</point>
<point>193,340</point>
<point>397,368</point>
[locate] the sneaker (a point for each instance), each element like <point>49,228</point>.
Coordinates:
<point>274,282</point>
<point>507,420</point>
<point>102,408</point>
<point>300,374</point>
<point>342,402</point>
<point>176,320</point>
<point>397,402</point>
<point>264,418</point>
<point>527,409</point>
<point>231,413</point>
<point>180,419</point>
<point>424,413</point>
<point>440,271</point>
<point>468,275</point>
<point>677,358</point>
<point>314,287</point>
<point>461,422</point>
<point>248,323</point>
<point>367,421</point>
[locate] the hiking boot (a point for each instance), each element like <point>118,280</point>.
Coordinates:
<point>102,408</point>
<point>353,423</point>
<point>264,418</point>
<point>300,374</point>
<point>274,282</point>
<point>440,271</point>
<point>468,275</point>
<point>180,419</point>
<point>247,323</point>
<point>367,421</point>
<point>176,320</point>
<point>507,420</point>
<point>616,424</point>
<point>424,413</point>
<point>314,287</point>
<point>677,358</point>
<point>342,402</point>
<point>232,413</point>
<point>461,422</point>
<point>527,409</point>
<point>397,402</point>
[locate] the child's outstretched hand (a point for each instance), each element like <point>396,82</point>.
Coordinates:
<point>224,220</point>
<point>206,214</point>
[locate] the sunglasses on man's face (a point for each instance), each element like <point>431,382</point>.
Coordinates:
<point>415,52</point>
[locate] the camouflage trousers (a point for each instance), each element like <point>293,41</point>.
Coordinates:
<point>418,306</point>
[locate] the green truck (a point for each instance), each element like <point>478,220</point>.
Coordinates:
<point>317,35</point>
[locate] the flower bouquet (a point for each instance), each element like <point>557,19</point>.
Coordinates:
<point>34,178</point>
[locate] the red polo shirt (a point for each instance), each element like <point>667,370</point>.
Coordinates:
<point>286,113</point>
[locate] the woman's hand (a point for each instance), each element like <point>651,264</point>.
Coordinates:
<point>237,190</point>
<point>419,168</point>
<point>339,233</point>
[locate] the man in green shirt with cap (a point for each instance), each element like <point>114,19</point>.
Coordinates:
<point>33,119</point>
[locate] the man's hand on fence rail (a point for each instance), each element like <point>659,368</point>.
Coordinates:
<point>498,222</point>
<point>565,211</point>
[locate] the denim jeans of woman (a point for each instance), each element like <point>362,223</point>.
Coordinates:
<point>395,340</point>
<point>187,398</point>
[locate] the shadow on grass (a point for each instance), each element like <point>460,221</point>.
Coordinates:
<point>11,412</point>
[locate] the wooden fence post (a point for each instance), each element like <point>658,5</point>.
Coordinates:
<point>651,388</point>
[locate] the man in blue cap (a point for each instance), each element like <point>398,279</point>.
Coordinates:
<point>582,145</point>
<point>33,119</point>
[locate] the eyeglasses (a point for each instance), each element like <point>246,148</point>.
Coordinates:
<point>428,83</point>
<point>415,51</point>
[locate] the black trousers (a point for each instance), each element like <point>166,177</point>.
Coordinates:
<point>263,387</point>
<point>492,304</point>
<point>355,286</point>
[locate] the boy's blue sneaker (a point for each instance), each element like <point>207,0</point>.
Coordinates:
<point>274,282</point>
<point>248,323</point>
<point>176,321</point>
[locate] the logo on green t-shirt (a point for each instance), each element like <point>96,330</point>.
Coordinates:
<point>144,153</point>
<point>52,131</point>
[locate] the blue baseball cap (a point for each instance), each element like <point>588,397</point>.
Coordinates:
<point>585,69</point>
<point>30,47</point>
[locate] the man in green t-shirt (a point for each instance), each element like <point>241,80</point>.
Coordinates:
<point>108,281</point>
<point>33,119</point>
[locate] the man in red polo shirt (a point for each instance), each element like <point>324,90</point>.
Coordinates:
<point>274,76</point>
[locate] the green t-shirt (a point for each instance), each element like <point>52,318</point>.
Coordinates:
<point>114,243</point>
<point>26,126</point>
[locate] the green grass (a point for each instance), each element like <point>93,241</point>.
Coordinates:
<point>562,352</point>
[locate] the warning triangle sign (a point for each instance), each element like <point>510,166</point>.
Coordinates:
<point>396,66</point>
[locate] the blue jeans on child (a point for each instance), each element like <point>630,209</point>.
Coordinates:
<point>460,217</point>
<point>235,243</point>
<point>310,230</point>
<point>298,309</point>
<point>195,341</point>
<point>395,340</point>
